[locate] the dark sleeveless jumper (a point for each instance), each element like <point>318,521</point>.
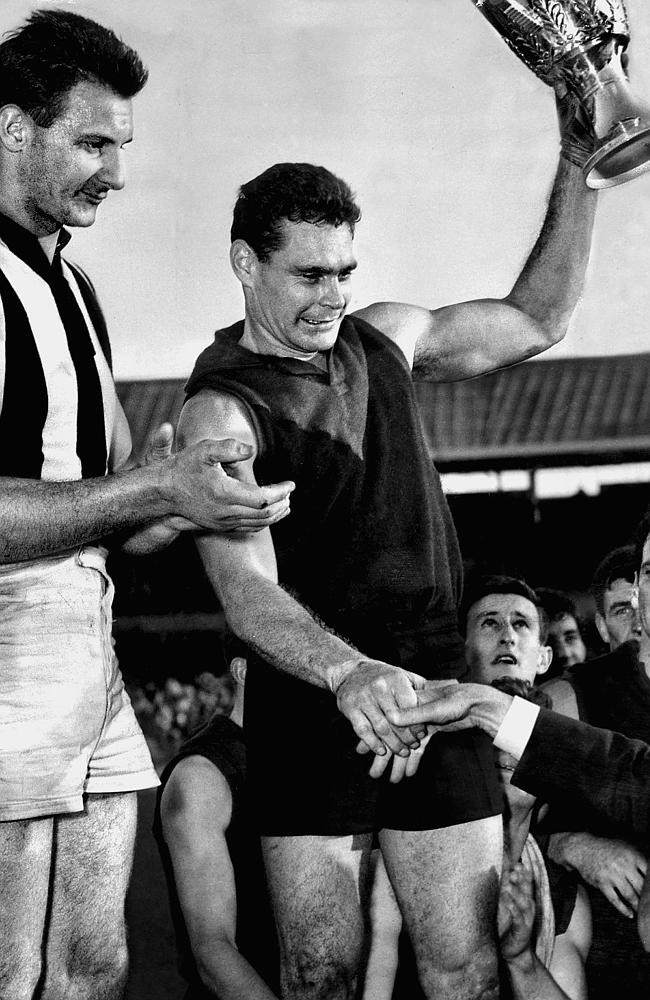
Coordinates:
<point>369,546</point>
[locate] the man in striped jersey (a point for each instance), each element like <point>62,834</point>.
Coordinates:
<point>71,753</point>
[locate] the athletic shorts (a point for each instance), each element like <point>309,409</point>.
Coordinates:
<point>67,727</point>
<point>305,776</point>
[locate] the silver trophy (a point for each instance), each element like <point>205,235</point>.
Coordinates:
<point>579,45</point>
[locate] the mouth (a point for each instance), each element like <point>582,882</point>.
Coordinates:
<point>320,324</point>
<point>95,197</point>
<point>505,658</point>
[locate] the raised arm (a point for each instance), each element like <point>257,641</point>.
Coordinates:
<point>243,572</point>
<point>471,338</point>
<point>195,810</point>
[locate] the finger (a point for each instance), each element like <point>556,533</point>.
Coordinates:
<point>380,764</point>
<point>617,902</point>
<point>277,492</point>
<point>398,770</point>
<point>227,451</point>
<point>365,731</point>
<point>362,747</point>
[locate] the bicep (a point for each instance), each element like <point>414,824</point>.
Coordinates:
<point>196,809</point>
<point>121,444</point>
<point>458,341</point>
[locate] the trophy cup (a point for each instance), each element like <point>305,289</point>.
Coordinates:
<point>578,46</point>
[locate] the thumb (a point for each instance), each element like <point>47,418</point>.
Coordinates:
<point>228,450</point>
<point>160,444</point>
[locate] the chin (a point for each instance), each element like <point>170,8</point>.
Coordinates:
<point>80,217</point>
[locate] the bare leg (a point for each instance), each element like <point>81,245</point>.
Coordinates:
<point>446,882</point>
<point>86,955</point>
<point>316,885</point>
<point>25,860</point>
<point>385,927</point>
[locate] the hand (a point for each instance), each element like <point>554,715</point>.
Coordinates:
<point>577,136</point>
<point>368,689</point>
<point>616,868</point>
<point>450,706</point>
<point>516,913</point>
<point>401,767</point>
<point>199,489</point>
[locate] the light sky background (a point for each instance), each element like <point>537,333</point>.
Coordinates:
<point>448,140</point>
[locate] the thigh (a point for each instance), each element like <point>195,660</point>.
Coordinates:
<point>317,887</point>
<point>446,882</point>
<point>25,862</point>
<point>92,868</point>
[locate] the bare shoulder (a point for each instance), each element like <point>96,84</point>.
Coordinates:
<point>563,696</point>
<point>196,794</point>
<point>215,414</point>
<point>403,324</point>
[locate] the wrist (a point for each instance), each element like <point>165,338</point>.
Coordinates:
<point>523,963</point>
<point>488,713</point>
<point>338,673</point>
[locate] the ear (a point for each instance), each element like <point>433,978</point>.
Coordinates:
<point>602,627</point>
<point>544,660</point>
<point>14,128</point>
<point>243,261</point>
<point>238,667</point>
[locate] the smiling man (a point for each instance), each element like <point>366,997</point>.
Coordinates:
<point>348,609</point>
<point>71,753</point>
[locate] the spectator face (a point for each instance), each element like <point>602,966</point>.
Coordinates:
<point>566,642</point>
<point>620,620</point>
<point>503,639</point>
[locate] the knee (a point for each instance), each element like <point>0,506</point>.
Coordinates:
<point>99,971</point>
<point>307,976</point>
<point>472,976</point>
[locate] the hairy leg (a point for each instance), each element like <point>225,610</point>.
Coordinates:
<point>25,861</point>
<point>316,886</point>
<point>446,882</point>
<point>86,955</point>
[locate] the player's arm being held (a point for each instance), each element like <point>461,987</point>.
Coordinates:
<point>242,569</point>
<point>39,518</point>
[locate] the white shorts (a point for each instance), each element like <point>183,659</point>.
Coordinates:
<point>67,727</point>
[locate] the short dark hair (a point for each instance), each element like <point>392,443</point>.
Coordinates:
<point>523,689</point>
<point>53,51</point>
<point>296,192</point>
<point>619,564</point>
<point>640,538</point>
<point>481,586</point>
<point>556,604</point>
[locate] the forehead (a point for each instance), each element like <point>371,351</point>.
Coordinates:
<point>565,623</point>
<point>505,605</point>
<point>93,109</point>
<point>619,590</point>
<point>306,244</point>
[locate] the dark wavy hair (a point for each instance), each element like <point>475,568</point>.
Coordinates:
<point>480,586</point>
<point>297,192</point>
<point>619,564</point>
<point>54,50</point>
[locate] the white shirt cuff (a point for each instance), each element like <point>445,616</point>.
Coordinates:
<point>517,727</point>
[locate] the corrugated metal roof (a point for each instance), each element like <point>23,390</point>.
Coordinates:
<point>541,413</point>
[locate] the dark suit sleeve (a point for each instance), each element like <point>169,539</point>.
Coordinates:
<point>598,771</point>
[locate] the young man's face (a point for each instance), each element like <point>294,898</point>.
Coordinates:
<point>566,642</point>
<point>67,170</point>
<point>620,620</point>
<point>299,295</point>
<point>503,639</point>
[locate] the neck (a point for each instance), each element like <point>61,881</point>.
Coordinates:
<point>644,652</point>
<point>49,245</point>
<point>258,340</point>
<point>237,713</point>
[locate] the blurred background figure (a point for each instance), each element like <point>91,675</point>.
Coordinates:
<point>617,616</point>
<point>564,630</point>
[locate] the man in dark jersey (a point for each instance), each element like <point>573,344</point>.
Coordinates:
<point>372,559</point>
<point>213,864</point>
<point>611,692</point>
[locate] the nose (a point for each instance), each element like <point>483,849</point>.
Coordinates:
<point>636,624</point>
<point>508,634</point>
<point>112,170</point>
<point>331,293</point>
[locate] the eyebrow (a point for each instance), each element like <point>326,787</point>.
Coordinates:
<point>317,269</point>
<point>620,604</point>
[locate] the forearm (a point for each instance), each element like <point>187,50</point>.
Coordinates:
<point>551,280</point>
<point>531,980</point>
<point>225,972</point>
<point>282,631</point>
<point>39,518</point>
